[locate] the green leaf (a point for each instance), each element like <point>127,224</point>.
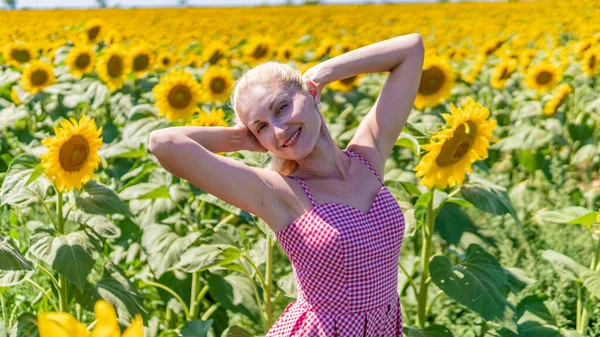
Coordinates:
<point>573,215</point>
<point>99,199</point>
<point>478,282</point>
<point>535,319</point>
<point>566,266</point>
<point>164,247</point>
<point>434,330</point>
<point>27,326</point>
<point>115,288</point>
<point>421,206</point>
<point>236,331</point>
<point>287,283</point>
<point>591,280</point>
<point>20,185</point>
<point>145,191</point>
<point>488,197</point>
<point>14,267</point>
<point>72,255</point>
<point>451,222</point>
<point>235,293</point>
<point>198,328</point>
<point>409,141</point>
<point>201,258</point>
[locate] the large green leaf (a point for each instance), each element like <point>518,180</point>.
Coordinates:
<point>235,293</point>
<point>21,185</point>
<point>14,267</point>
<point>573,215</point>
<point>145,191</point>
<point>591,280</point>
<point>566,266</point>
<point>434,330</point>
<point>198,328</point>
<point>115,288</point>
<point>451,222</point>
<point>27,326</point>
<point>478,282</point>
<point>164,247</point>
<point>72,255</point>
<point>207,256</point>
<point>409,141</point>
<point>99,199</point>
<point>488,197</point>
<point>534,319</point>
<point>236,331</point>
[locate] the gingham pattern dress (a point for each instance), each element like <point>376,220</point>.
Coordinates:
<point>346,267</point>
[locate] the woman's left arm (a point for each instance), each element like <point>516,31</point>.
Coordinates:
<point>403,57</point>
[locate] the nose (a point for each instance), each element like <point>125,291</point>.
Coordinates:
<point>280,130</point>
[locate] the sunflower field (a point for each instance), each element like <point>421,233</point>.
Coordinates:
<point>497,169</point>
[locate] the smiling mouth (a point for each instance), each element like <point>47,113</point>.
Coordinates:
<point>293,138</point>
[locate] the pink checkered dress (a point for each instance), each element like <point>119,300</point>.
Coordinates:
<point>346,267</point>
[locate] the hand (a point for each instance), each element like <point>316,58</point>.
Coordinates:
<point>249,142</point>
<point>310,75</point>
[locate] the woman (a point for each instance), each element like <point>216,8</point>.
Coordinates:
<point>340,226</point>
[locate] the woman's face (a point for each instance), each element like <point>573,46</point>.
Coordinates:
<point>274,114</point>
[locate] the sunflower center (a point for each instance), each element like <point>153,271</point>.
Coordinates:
<point>166,61</point>
<point>83,61</point>
<point>543,77</point>
<point>39,77</point>
<point>115,66</point>
<point>287,54</point>
<point>260,51</point>
<point>74,153</point>
<point>141,62</point>
<point>349,80</point>
<point>93,33</point>
<point>180,96</point>
<point>592,61</point>
<point>432,80</point>
<point>215,57</point>
<point>21,55</point>
<point>505,74</point>
<point>455,148</point>
<point>217,85</point>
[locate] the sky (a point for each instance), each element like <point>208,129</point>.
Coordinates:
<point>34,4</point>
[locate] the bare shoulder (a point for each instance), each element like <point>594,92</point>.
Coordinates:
<point>279,196</point>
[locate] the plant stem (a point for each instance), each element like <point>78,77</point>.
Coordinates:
<point>174,294</point>
<point>578,319</point>
<point>225,219</point>
<point>210,311</point>
<point>62,288</point>
<point>202,293</point>
<point>268,280</point>
<point>410,280</point>
<point>262,280</point>
<point>3,309</point>
<point>52,278</point>
<point>195,290</point>
<point>426,254</point>
<point>33,283</point>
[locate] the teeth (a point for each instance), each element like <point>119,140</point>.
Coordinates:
<point>293,138</point>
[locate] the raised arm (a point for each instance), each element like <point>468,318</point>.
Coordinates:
<point>403,57</point>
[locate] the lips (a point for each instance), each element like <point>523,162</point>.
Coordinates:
<point>290,137</point>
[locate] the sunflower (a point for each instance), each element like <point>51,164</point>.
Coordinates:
<point>108,326</point>
<point>215,53</point>
<point>73,153</point>
<point>93,31</point>
<point>590,61</point>
<point>583,46</point>
<point>542,77</point>
<point>164,60</point>
<point>558,98</point>
<point>142,60</point>
<point>285,52</point>
<point>177,95</point>
<point>477,66</point>
<point>492,45</point>
<point>525,58</point>
<point>37,75</point>
<point>112,67</point>
<point>81,60</point>
<point>346,84</point>
<point>325,48</point>
<point>216,117</point>
<point>258,49</point>
<point>437,81</point>
<point>453,150</point>
<point>18,53</point>
<point>192,59</point>
<point>216,84</point>
<point>50,324</point>
<point>505,68</point>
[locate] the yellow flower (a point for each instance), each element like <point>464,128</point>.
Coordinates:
<point>93,31</point>
<point>107,325</point>
<point>258,49</point>
<point>17,54</point>
<point>590,61</point>
<point>559,97</point>
<point>542,77</point>
<point>81,60</point>
<point>37,75</point>
<point>165,60</point>
<point>113,66</point>
<point>216,84</point>
<point>60,324</point>
<point>14,97</point>
<point>73,153</point>
<point>437,81</point>
<point>452,151</point>
<point>216,117</point>
<point>502,72</point>
<point>215,53</point>
<point>177,95</point>
<point>325,48</point>
<point>286,52</point>
<point>346,84</point>
<point>525,58</point>
<point>142,60</point>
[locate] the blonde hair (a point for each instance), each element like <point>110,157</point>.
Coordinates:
<point>267,74</point>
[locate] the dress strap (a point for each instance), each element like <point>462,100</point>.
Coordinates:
<point>310,196</point>
<point>354,154</point>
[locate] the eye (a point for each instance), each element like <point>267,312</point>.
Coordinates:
<point>282,107</point>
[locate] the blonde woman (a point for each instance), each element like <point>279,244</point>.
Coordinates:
<point>332,214</point>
